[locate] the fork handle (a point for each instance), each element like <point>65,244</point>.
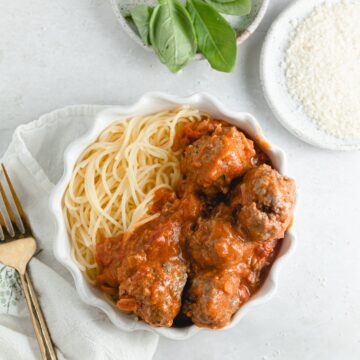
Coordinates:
<point>41,330</point>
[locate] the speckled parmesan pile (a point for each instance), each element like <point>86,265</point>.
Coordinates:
<point>322,67</point>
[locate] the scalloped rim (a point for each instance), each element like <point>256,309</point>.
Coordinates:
<point>149,103</point>
<point>240,38</point>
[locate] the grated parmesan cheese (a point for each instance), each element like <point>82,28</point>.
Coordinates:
<point>322,67</point>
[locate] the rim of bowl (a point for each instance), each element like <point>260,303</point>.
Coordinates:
<point>240,37</point>
<point>62,247</point>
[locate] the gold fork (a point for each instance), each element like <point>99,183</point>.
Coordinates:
<point>17,247</point>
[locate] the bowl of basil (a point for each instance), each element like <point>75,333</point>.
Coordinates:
<point>181,31</point>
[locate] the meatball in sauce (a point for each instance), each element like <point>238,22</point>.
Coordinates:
<point>213,161</point>
<point>214,297</point>
<point>264,201</point>
<point>214,239</point>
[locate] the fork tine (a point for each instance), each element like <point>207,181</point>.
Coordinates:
<point>2,237</point>
<point>15,205</point>
<point>4,210</point>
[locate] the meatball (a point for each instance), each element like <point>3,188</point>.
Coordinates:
<point>214,160</point>
<point>264,203</point>
<point>213,297</point>
<point>153,293</point>
<point>215,243</point>
<point>153,273</point>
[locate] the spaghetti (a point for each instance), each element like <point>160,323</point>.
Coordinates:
<point>115,178</point>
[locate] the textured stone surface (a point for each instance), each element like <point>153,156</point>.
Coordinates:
<point>64,52</point>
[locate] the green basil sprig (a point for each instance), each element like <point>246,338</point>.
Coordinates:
<point>172,34</point>
<point>216,37</point>
<point>177,32</point>
<point>141,16</point>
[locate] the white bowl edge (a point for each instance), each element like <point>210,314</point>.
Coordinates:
<point>149,103</point>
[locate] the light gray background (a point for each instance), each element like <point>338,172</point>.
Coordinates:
<point>61,52</point>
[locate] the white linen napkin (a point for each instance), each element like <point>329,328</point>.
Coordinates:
<point>34,160</point>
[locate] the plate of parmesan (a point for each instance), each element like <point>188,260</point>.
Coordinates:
<point>310,72</point>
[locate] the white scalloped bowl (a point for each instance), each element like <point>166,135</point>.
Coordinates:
<point>150,103</point>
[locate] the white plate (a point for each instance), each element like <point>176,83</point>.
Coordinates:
<point>244,25</point>
<point>273,81</point>
<point>150,103</point>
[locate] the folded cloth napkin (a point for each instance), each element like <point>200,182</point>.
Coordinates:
<point>34,160</point>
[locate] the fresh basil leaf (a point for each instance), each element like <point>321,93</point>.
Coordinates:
<point>172,34</point>
<point>216,38</point>
<point>141,17</point>
<point>223,1</point>
<point>235,7</point>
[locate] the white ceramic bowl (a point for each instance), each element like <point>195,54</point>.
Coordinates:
<point>244,25</point>
<point>150,103</point>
